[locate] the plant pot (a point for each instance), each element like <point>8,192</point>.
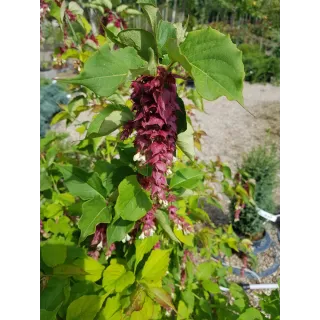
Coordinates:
<point>262,244</point>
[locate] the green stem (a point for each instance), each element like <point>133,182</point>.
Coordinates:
<point>72,30</point>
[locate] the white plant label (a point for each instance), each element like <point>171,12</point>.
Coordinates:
<point>267,215</point>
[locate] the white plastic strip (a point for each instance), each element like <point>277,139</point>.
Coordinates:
<point>267,215</point>
<point>256,286</point>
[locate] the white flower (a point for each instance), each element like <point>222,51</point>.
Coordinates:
<point>179,227</point>
<point>169,172</point>
<point>126,238</point>
<point>174,159</point>
<point>142,236</point>
<point>68,96</point>
<point>99,246</point>
<point>151,232</point>
<point>168,313</point>
<point>186,232</point>
<point>165,203</point>
<point>143,159</point>
<point>41,10</point>
<point>136,157</point>
<point>160,201</point>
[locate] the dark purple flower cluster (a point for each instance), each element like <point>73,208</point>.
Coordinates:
<point>99,241</point>
<point>155,106</point>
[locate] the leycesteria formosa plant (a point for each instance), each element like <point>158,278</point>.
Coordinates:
<point>125,236</point>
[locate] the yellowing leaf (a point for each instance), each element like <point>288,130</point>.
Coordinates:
<point>186,239</point>
<point>156,266</point>
<point>116,278</point>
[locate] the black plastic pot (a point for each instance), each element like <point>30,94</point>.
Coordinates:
<point>262,244</point>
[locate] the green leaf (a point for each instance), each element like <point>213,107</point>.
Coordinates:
<point>112,306</point>
<point>94,211</point>
<point>144,246</point>
<point>226,172</point>
<point>53,254</point>
<point>60,225</point>
<point>52,210</point>
<point>108,120</point>
<point>197,100</point>
<point>63,8</point>
<point>160,296</point>
<point>251,314</point>
<point>185,142</point>
<point>187,178</point>
<point>152,13</point>
<point>211,287</point>
<point>205,271</point>
<point>133,12</point>
<point>121,8</point>
<point>163,220</point>
<point>116,278</point>
<point>150,2</point>
<point>133,202</point>
<point>48,315</point>
<point>146,312</point>
<point>80,183</point>
<point>66,199</point>
<point>199,214</point>
<point>186,239</point>
<point>118,230</point>
<point>175,54</point>
<point>86,25</point>
<point>216,64</point>
<point>183,312</point>
<point>156,266</point>
<point>165,31</point>
<point>75,8</point>
<point>69,270</point>
<point>45,182</point>
<point>105,70</point>
<point>55,11</point>
<point>139,39</point>
<point>182,117</point>
<point>53,294</point>
<point>86,307</point>
<point>92,268</point>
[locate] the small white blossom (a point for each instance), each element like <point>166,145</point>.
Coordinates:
<point>99,246</point>
<point>165,203</point>
<point>168,313</point>
<point>179,227</point>
<point>186,232</point>
<point>126,238</point>
<point>169,172</point>
<point>136,157</point>
<point>174,159</point>
<point>41,10</point>
<point>142,236</point>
